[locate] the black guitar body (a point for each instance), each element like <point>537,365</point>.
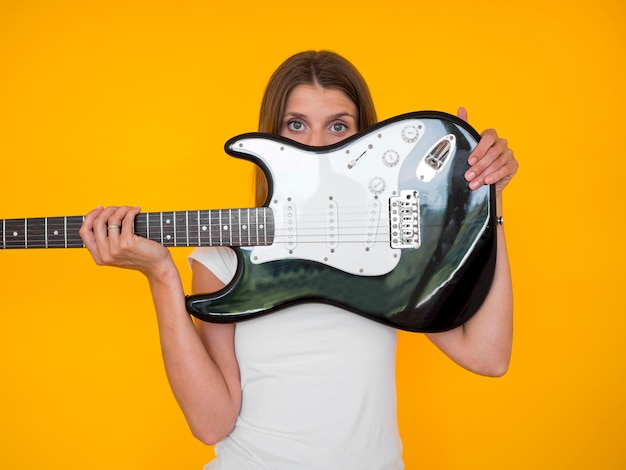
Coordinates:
<point>382,224</point>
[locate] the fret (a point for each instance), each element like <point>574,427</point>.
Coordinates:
<point>181,228</point>
<point>241,228</point>
<point>34,236</point>
<point>70,227</point>
<point>247,228</point>
<point>266,222</point>
<point>256,226</point>
<point>14,234</point>
<point>265,230</point>
<point>261,228</point>
<point>174,228</point>
<point>234,227</point>
<point>56,233</point>
<point>202,228</point>
<point>228,227</point>
<point>215,227</point>
<point>193,228</point>
<point>167,229</point>
<point>219,227</point>
<point>205,229</point>
<point>198,216</point>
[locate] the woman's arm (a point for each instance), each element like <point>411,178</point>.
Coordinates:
<point>200,363</point>
<point>483,343</point>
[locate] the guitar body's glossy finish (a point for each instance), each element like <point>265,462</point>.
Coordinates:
<point>426,267</point>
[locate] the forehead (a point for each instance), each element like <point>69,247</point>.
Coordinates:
<point>312,99</point>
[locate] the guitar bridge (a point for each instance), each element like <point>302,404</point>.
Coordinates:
<point>404,220</point>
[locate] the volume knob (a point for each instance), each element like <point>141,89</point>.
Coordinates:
<point>410,134</point>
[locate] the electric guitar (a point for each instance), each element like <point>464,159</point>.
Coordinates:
<point>382,224</point>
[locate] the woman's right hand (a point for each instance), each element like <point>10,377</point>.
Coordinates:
<point>108,235</point>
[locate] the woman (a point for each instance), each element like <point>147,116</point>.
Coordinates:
<point>311,386</point>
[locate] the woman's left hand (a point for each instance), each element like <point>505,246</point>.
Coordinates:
<point>491,162</point>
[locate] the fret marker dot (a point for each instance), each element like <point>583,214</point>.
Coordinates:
<point>225,227</point>
<point>261,226</point>
<point>245,227</point>
<point>15,234</point>
<point>56,232</point>
<point>168,221</point>
<point>169,237</point>
<point>204,228</point>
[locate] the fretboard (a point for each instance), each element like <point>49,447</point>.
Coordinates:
<point>225,227</point>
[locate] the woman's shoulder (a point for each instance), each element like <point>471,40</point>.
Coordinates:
<point>221,261</point>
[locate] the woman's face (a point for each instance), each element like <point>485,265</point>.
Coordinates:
<point>318,116</point>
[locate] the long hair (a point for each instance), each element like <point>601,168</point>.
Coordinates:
<point>320,68</point>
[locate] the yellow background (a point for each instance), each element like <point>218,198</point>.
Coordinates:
<point>130,102</point>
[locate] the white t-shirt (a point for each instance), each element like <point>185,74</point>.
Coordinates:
<point>318,388</point>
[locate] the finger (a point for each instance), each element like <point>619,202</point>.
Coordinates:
<point>119,230</point>
<point>115,220</point>
<point>487,139</point>
<point>500,171</point>
<point>102,222</point>
<point>128,220</point>
<point>121,221</point>
<point>462,113</point>
<point>506,171</point>
<point>489,156</point>
<point>99,243</point>
<point>480,173</point>
<point>86,229</point>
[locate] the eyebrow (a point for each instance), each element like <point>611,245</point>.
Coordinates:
<point>330,118</point>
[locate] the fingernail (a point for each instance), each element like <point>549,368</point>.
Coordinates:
<point>470,176</point>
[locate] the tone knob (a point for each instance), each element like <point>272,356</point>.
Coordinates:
<point>377,185</point>
<point>391,158</point>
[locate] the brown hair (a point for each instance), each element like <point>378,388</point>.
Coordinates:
<point>321,68</point>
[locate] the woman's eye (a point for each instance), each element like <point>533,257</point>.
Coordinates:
<point>295,125</point>
<point>338,127</point>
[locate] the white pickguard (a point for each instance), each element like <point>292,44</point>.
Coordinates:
<point>334,207</point>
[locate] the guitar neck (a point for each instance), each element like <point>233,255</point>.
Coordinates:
<point>225,227</point>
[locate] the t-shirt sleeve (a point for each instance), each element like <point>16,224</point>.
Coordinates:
<point>221,261</point>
